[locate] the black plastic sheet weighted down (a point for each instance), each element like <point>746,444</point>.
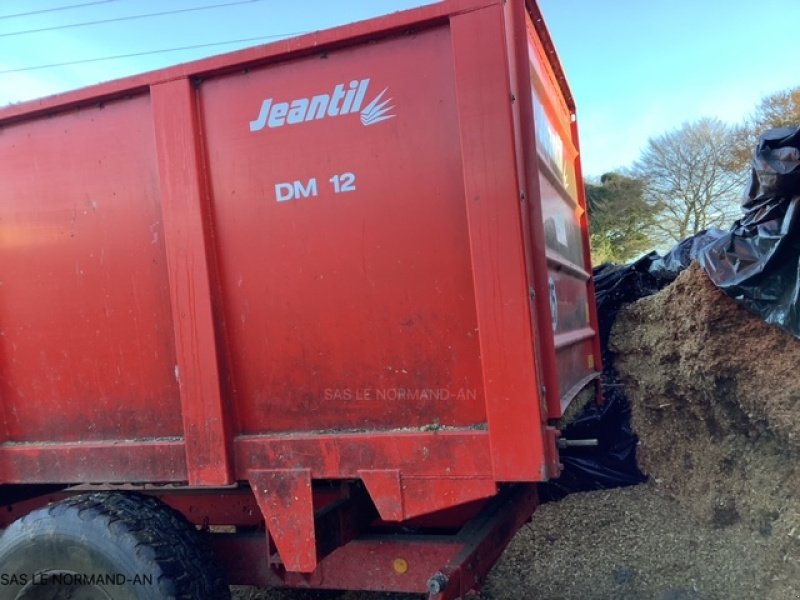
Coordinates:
<point>756,262</point>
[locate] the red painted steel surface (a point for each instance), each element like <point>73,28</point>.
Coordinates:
<point>562,210</point>
<point>87,344</point>
<point>184,199</point>
<point>357,254</point>
<point>349,310</point>
<point>394,562</point>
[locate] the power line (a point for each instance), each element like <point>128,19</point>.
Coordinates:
<point>56,9</point>
<point>128,18</point>
<point>147,52</point>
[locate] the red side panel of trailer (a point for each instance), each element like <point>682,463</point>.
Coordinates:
<point>357,254</point>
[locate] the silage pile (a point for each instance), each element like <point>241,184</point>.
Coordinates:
<point>716,403</point>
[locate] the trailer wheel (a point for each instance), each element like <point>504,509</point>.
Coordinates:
<point>107,546</point>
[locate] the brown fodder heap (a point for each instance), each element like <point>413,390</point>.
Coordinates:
<point>716,403</point>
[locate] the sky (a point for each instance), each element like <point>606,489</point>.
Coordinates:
<point>638,68</point>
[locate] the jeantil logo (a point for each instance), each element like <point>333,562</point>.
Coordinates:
<point>345,99</point>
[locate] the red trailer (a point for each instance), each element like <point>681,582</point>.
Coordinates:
<point>303,315</point>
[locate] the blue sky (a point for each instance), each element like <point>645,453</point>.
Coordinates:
<point>637,67</point>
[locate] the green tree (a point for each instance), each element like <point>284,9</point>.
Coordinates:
<point>781,109</point>
<point>619,219</point>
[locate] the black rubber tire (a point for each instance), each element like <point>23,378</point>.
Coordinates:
<point>92,540</point>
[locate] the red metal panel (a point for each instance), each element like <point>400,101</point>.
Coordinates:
<point>378,320</point>
<point>556,215</point>
<point>531,210</point>
<point>375,255</point>
<point>587,258</point>
<point>86,344</point>
<point>393,563</point>
<point>183,198</point>
<point>457,454</point>
<point>563,209</point>
<point>399,497</point>
<point>533,239</point>
<point>485,538</point>
<point>361,564</point>
<point>94,462</point>
<point>348,310</point>
<point>220,507</point>
<point>386,564</point>
<point>496,246</point>
<point>285,498</point>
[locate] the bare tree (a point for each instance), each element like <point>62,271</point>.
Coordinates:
<point>781,109</point>
<point>690,179</point>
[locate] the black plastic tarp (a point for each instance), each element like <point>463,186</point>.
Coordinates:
<point>757,262</point>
